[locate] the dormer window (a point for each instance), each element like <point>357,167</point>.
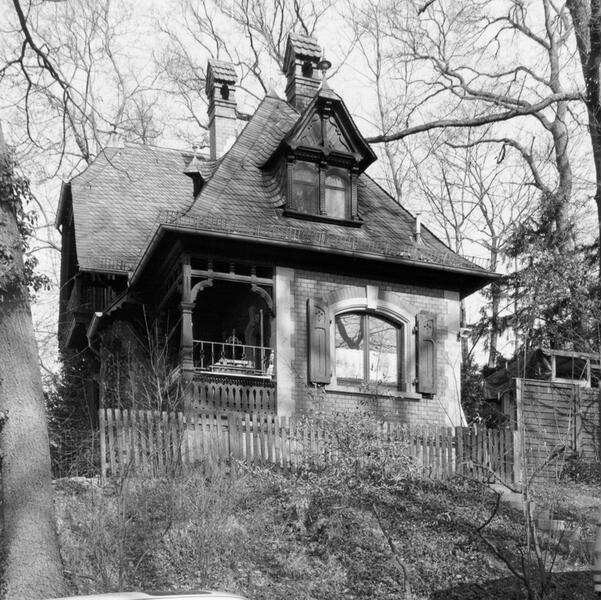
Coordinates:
<point>320,160</point>
<point>319,190</point>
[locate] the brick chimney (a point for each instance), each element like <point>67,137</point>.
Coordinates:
<point>300,66</point>
<point>221,92</point>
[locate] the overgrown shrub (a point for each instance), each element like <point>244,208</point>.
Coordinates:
<point>364,524</point>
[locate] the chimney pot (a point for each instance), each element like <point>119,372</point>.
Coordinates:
<point>221,92</point>
<point>418,227</point>
<point>303,54</point>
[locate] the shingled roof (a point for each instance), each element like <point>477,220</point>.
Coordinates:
<point>220,71</point>
<point>123,198</point>
<point>303,46</point>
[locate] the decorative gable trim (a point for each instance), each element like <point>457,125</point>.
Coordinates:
<point>326,131</point>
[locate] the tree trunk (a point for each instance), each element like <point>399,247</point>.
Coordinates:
<point>33,567</point>
<point>586,18</point>
<point>493,339</point>
<point>496,293</point>
<point>462,325</point>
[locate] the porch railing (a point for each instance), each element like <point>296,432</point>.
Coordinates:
<point>232,358</point>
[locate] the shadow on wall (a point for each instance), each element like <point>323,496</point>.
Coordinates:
<point>576,585</point>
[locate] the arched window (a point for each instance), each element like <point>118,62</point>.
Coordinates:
<point>336,194</point>
<point>305,186</point>
<point>368,349</point>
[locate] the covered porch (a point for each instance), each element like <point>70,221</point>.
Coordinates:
<point>226,358</point>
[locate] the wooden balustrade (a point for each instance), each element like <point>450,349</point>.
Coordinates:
<point>224,394</point>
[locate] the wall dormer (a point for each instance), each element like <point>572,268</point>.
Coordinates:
<point>322,157</point>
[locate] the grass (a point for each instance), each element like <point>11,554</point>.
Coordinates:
<point>271,536</point>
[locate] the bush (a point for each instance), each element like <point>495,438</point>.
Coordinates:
<point>364,524</point>
<point>579,469</point>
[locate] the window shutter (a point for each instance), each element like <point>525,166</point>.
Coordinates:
<point>318,334</point>
<point>426,352</point>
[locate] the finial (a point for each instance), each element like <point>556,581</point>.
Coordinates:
<point>324,65</point>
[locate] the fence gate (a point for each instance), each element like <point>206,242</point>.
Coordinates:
<point>487,454</point>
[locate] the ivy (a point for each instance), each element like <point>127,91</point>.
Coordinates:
<point>15,196</point>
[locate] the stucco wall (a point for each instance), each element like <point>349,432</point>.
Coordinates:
<point>294,287</point>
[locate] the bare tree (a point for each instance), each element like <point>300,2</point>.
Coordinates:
<point>71,80</point>
<point>460,47</point>
<point>251,34</point>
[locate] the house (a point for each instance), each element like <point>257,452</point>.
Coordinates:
<point>275,272</point>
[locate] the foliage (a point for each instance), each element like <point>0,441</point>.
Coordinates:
<point>555,291</point>
<point>366,524</point>
<point>15,194</point>
<point>72,419</point>
<point>472,398</point>
<point>270,535</point>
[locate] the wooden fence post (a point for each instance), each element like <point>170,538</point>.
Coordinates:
<point>459,450</point>
<point>518,472</point>
<point>102,446</point>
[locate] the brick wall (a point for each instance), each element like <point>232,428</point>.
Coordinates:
<point>294,395</point>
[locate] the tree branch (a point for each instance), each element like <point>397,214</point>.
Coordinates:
<point>519,111</point>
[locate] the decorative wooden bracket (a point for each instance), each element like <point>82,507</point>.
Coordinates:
<point>199,287</point>
<point>265,295</point>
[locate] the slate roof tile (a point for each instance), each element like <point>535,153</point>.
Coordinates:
<point>305,45</point>
<point>123,196</point>
<point>222,70</point>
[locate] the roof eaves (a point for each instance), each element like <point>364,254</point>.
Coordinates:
<point>62,203</point>
<point>476,267</point>
<point>175,227</point>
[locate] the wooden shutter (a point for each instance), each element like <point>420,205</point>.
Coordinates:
<point>426,352</point>
<point>318,334</point>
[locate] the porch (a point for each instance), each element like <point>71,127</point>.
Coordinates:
<point>225,355</point>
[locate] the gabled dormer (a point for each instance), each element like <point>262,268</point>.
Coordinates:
<point>324,153</point>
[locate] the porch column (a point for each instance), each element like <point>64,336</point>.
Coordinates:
<point>284,335</point>
<point>186,344</point>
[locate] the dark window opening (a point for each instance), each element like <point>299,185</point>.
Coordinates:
<point>568,367</point>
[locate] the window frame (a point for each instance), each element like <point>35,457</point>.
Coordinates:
<point>323,169</point>
<point>401,379</point>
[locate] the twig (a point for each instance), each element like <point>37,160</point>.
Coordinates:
<point>406,584</point>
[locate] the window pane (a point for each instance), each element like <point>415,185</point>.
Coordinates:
<point>567,367</point>
<point>336,203</point>
<point>335,181</point>
<point>383,351</point>
<point>304,187</point>
<point>336,194</point>
<point>349,340</point>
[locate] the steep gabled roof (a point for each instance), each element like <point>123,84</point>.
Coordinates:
<point>123,198</point>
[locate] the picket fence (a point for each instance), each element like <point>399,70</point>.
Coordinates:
<point>154,443</point>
